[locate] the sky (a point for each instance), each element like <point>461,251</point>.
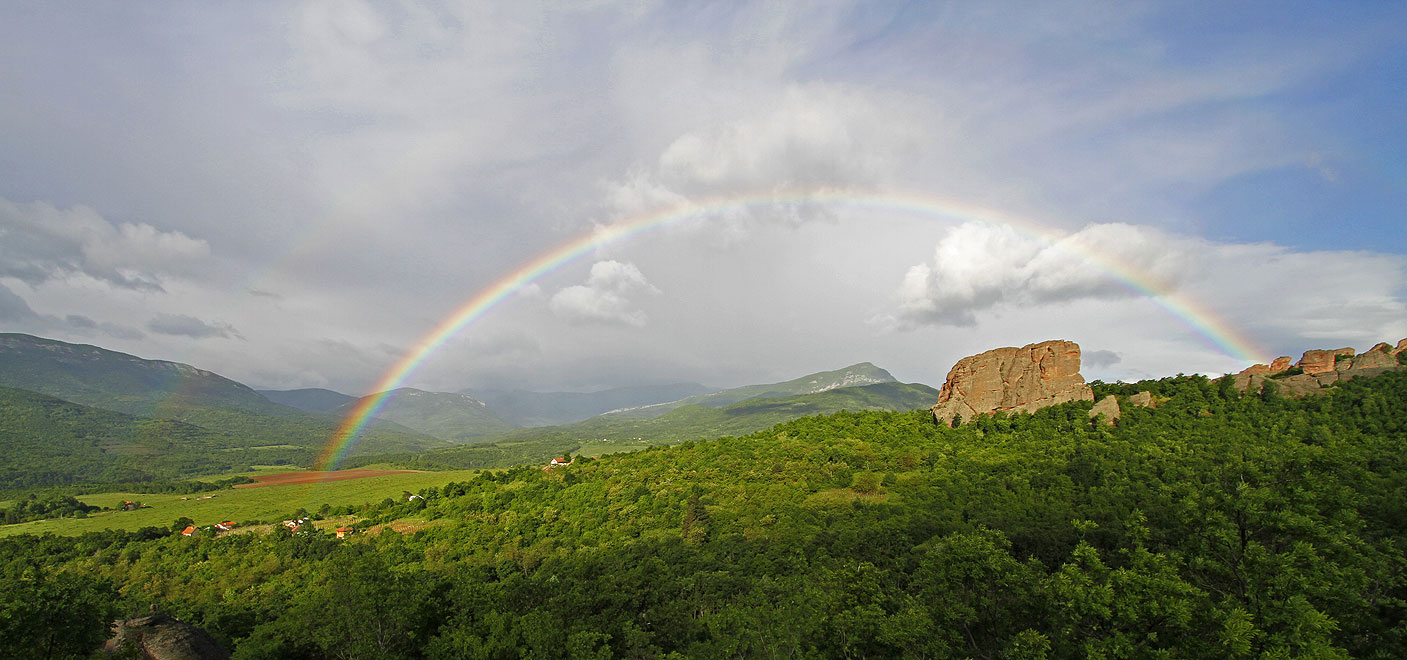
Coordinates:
<point>298,194</point>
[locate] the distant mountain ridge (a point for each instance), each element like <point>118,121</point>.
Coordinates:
<point>310,399</point>
<point>444,415</point>
<point>863,373</point>
<point>101,378</point>
<point>610,433</point>
<point>524,408</point>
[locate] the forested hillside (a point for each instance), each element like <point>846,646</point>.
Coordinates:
<point>47,442</point>
<point>1215,525</point>
<point>158,389</point>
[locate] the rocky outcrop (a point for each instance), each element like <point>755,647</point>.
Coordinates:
<point>1321,361</point>
<point>1026,379</point>
<point>160,637</point>
<point>1321,369</point>
<point>1280,364</point>
<point>1108,407</point>
<point>1142,399</point>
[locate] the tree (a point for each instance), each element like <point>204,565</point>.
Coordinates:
<point>52,615</point>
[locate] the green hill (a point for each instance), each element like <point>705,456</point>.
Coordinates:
<point>312,399</point>
<point>125,383</point>
<point>46,441</point>
<point>453,417</point>
<point>863,373</point>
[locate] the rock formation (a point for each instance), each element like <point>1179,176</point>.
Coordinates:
<point>160,637</point>
<point>1320,369</point>
<point>1142,399</point>
<point>1026,379</point>
<point>1109,407</point>
<point>1321,361</point>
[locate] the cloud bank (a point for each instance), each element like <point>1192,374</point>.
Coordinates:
<point>604,298</point>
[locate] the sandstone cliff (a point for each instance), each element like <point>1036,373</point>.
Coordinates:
<point>1026,379</point>
<point>1320,368</point>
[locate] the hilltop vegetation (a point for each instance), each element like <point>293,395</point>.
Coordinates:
<point>1216,525</point>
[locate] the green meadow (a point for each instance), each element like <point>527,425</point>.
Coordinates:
<point>237,504</point>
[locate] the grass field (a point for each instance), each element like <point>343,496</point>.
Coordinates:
<point>239,505</point>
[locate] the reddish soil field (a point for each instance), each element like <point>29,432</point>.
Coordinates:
<point>285,478</point>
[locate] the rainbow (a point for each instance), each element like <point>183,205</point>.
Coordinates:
<point>1202,321</point>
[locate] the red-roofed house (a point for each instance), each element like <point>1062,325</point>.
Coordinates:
<point>188,531</point>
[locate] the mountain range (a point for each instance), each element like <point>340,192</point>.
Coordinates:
<point>158,389</point>
<point>124,417</point>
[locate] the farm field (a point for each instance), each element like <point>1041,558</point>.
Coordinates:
<point>241,504</point>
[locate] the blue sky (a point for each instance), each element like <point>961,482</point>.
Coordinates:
<point>293,194</point>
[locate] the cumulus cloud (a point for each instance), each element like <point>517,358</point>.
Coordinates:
<point>190,326</point>
<point>1282,297</point>
<point>810,138</point>
<point>39,242</point>
<point>604,297</point>
<point>977,266</point>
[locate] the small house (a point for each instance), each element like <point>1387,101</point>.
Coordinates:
<point>344,532</point>
<point>225,526</point>
<point>188,531</point>
<point>560,461</point>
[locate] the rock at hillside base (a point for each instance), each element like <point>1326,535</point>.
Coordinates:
<point>1108,407</point>
<point>1321,361</point>
<point>160,637</point>
<point>1142,399</point>
<point>1026,379</point>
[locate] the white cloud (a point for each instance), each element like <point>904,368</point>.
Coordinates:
<point>604,297</point>
<point>39,242</point>
<point>1283,297</point>
<point>805,138</point>
<point>977,266</point>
